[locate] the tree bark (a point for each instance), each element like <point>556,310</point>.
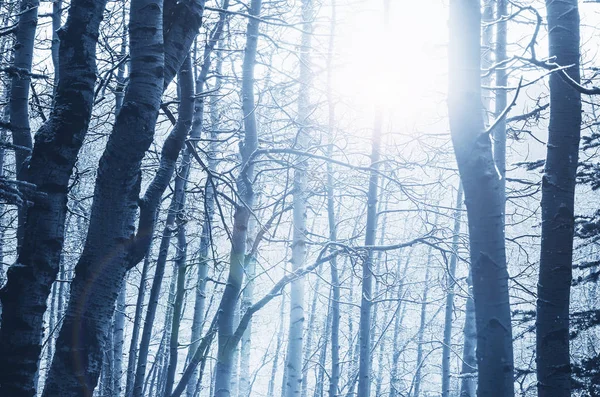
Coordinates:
<point>58,142</point>
<point>242,212</point>
<point>19,95</point>
<point>450,281</point>
<point>468,383</point>
<point>558,194</point>
<point>135,332</point>
<point>484,198</point>
<point>364,376</point>
<point>98,279</point>
<point>293,383</point>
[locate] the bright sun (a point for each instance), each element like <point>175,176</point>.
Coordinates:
<point>403,69</point>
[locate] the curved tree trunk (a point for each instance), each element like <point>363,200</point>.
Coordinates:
<point>24,297</point>
<point>484,198</point>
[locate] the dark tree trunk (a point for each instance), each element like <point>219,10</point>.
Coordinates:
<point>558,193</point>
<point>57,144</point>
<point>19,94</point>
<point>484,198</point>
<point>98,277</point>
<point>100,271</point>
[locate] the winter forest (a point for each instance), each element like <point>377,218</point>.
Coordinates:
<point>299,198</point>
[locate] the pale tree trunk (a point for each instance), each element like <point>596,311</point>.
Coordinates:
<point>247,298</point>
<point>118,341</point>
<point>319,386</point>
<point>334,377</point>
<point>24,297</point>
<point>19,94</point>
<point>398,320</point>
<point>450,281</point>
<point>186,87</point>
<point>135,332</point>
<point>119,315</point>
<point>57,8</point>
<point>468,382</point>
<point>227,307</point>
<point>271,388</point>
<point>421,333</point>
<point>558,195</point>
<point>484,200</point>
<point>209,196</point>
<point>382,348</point>
<point>364,375</point>
<point>293,382</point>
<point>309,335</point>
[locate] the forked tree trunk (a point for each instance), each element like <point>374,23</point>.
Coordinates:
<point>558,194</point>
<point>98,279</point>
<point>114,209</point>
<point>58,142</point>
<point>484,198</point>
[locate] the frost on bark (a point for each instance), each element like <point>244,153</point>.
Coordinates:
<point>57,144</point>
<point>558,192</point>
<point>484,199</point>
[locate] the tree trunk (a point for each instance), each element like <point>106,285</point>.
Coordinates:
<point>118,341</point>
<point>558,194</point>
<point>186,87</point>
<point>58,142</point>
<point>98,279</point>
<point>209,196</point>
<point>135,333</point>
<point>468,383</point>
<point>398,319</point>
<point>484,200</point>
<point>364,376</point>
<point>242,212</point>
<point>293,383</point>
<point>450,281</point>
<point>271,389</point>
<point>334,378</point>
<point>247,300</point>
<point>19,95</point>
<point>423,322</point>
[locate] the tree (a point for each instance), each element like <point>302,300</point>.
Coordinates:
<point>558,193</point>
<point>484,199</point>
<point>57,144</point>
